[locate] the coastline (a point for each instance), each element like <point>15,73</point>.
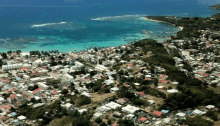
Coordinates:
<point>151,20</point>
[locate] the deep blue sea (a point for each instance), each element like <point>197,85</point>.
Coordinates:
<point>88,25</point>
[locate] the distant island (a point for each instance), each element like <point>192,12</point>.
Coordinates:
<point>215,7</point>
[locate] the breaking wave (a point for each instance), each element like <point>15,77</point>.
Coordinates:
<point>47,24</point>
<point>108,18</point>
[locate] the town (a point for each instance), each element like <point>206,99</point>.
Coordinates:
<point>143,83</point>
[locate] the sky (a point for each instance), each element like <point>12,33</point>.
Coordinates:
<point>91,2</point>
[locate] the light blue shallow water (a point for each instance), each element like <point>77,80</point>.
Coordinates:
<point>78,28</point>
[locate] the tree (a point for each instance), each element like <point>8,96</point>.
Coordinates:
<point>102,124</point>
<point>197,121</point>
<point>109,122</point>
<point>81,122</point>
<point>83,100</point>
<point>64,91</point>
<point>125,122</point>
<point>4,55</point>
<point>156,82</point>
<point>98,120</point>
<point>96,49</point>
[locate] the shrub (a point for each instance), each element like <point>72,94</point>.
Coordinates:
<point>98,120</point>
<point>83,100</point>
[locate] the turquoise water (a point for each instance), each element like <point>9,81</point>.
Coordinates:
<point>79,28</point>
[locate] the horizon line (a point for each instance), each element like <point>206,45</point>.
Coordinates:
<point>33,6</point>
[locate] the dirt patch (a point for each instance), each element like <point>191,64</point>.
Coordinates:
<point>100,97</point>
<point>125,65</point>
<point>156,100</point>
<point>64,121</point>
<point>148,55</point>
<point>217,123</point>
<point>215,89</point>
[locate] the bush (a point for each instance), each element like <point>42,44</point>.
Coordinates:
<point>138,102</point>
<point>98,120</point>
<point>83,100</point>
<point>64,91</point>
<point>214,85</point>
<point>198,121</point>
<point>109,122</point>
<point>169,87</point>
<point>102,124</point>
<point>212,115</point>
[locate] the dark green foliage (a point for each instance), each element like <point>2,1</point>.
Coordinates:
<point>4,55</point>
<point>197,121</point>
<point>53,63</point>
<point>102,124</point>
<point>83,100</point>
<point>109,122</point>
<point>213,115</point>
<point>189,98</point>
<point>124,93</point>
<point>81,121</point>
<point>125,122</point>
<point>98,120</point>
<point>138,102</point>
<point>214,85</point>
<point>64,91</point>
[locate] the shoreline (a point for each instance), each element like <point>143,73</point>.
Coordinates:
<point>151,20</point>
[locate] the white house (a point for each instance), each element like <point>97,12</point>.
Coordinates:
<point>12,66</point>
<point>21,117</point>
<point>36,79</point>
<point>109,82</point>
<point>79,64</point>
<point>101,68</point>
<point>113,105</point>
<point>130,109</point>
<point>97,115</point>
<point>68,106</point>
<point>68,77</point>
<point>38,62</point>
<point>103,109</point>
<point>42,85</point>
<point>114,89</point>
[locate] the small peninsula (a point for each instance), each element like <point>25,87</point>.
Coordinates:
<point>215,7</point>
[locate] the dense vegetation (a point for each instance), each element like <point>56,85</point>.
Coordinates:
<point>197,121</point>
<point>191,25</point>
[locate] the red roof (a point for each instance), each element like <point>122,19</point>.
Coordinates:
<point>141,93</point>
<point>126,85</point>
<point>2,117</point>
<point>37,90</point>
<point>143,119</point>
<point>147,78</point>
<point>157,113</point>
<point>163,75</point>
<point>163,81</point>
<point>54,92</point>
<point>8,107</point>
<point>147,110</point>
<point>115,124</point>
<point>12,96</point>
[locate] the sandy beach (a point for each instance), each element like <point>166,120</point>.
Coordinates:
<point>158,21</point>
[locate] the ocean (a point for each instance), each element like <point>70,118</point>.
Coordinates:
<point>76,28</point>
